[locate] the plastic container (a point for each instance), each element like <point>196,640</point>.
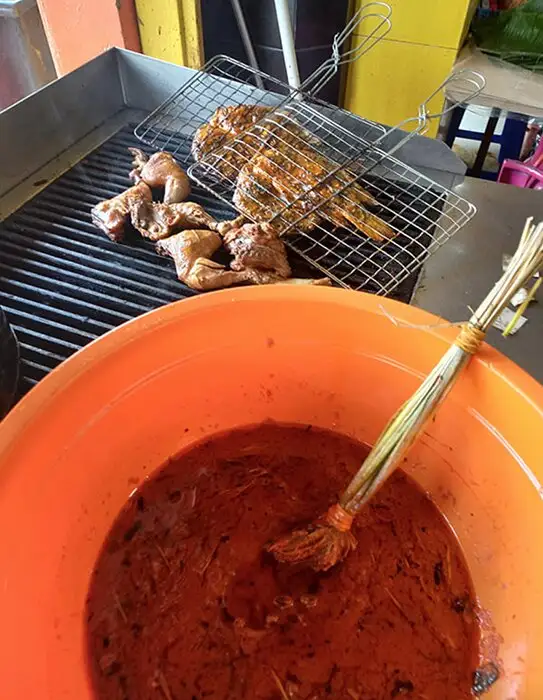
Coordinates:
<point>25,59</point>
<point>76,447</point>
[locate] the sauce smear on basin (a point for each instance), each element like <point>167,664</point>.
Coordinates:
<point>184,604</point>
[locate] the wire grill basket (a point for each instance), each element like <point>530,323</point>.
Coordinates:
<point>224,82</point>
<point>302,164</point>
<point>419,214</point>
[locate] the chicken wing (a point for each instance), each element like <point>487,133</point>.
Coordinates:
<point>161,170</point>
<point>191,252</point>
<point>111,214</point>
<point>156,221</point>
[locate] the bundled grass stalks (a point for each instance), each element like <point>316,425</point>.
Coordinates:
<point>324,543</point>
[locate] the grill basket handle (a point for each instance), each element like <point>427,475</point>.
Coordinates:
<point>468,83</point>
<point>373,18</point>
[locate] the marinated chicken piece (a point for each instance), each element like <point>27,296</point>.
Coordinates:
<point>294,175</point>
<point>111,214</point>
<point>225,124</point>
<point>271,181</point>
<point>155,220</point>
<point>191,252</point>
<point>294,162</point>
<point>222,227</point>
<point>258,250</point>
<point>161,170</point>
<point>261,202</point>
<point>275,162</point>
<point>225,164</point>
<point>320,282</point>
<point>258,247</point>
<point>234,135</point>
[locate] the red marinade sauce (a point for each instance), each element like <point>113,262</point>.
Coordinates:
<point>185,604</point>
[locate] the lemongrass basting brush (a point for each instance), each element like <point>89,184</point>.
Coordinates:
<point>329,539</point>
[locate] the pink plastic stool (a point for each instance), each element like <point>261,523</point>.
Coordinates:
<point>513,172</point>
<point>524,174</point>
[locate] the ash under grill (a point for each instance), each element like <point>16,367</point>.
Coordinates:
<point>63,283</point>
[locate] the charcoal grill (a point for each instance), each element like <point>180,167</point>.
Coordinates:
<point>62,282</point>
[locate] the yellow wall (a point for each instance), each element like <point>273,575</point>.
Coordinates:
<point>171,30</point>
<point>389,82</point>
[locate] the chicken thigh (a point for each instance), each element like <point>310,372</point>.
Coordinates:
<point>259,252</point>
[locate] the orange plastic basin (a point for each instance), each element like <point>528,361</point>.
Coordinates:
<point>78,445</point>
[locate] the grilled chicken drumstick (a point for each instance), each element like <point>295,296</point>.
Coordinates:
<point>161,170</point>
<point>111,214</point>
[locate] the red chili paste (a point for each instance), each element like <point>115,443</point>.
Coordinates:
<point>185,605</point>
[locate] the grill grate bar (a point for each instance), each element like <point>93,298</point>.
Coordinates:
<point>63,283</point>
<point>32,290</point>
<point>33,370</point>
<point>41,326</point>
<point>24,333</point>
<point>46,359</point>
<point>43,314</point>
<point>52,257</point>
<point>141,260</point>
<point>54,206</point>
<point>64,192</point>
<point>37,274</point>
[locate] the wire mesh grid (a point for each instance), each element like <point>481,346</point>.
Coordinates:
<point>223,82</point>
<point>423,215</point>
<point>359,215</point>
<point>316,160</point>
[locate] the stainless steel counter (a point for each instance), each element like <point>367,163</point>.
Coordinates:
<point>461,273</point>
